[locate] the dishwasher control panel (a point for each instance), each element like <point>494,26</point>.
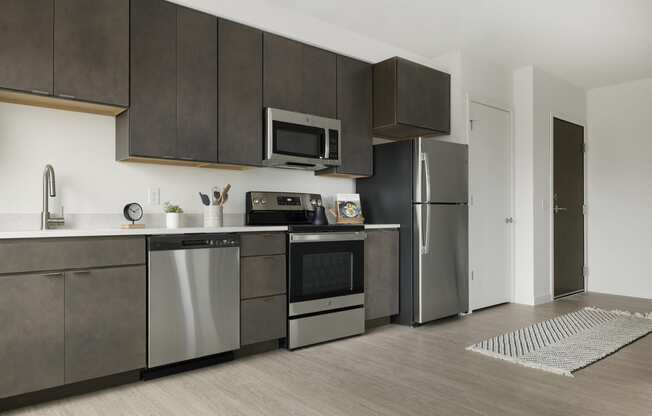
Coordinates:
<point>192,241</point>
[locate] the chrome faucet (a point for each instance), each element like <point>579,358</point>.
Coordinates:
<point>49,190</point>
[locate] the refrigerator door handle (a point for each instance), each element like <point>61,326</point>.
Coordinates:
<point>426,245</point>
<point>426,170</point>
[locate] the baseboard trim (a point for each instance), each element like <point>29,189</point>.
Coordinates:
<point>75,389</point>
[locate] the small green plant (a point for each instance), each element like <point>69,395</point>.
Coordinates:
<point>168,208</point>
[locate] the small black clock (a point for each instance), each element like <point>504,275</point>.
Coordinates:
<point>133,212</point>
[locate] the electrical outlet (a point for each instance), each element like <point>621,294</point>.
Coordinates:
<point>154,196</point>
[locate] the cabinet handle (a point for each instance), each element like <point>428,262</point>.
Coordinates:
<point>68,96</point>
<point>82,272</point>
<point>53,275</point>
<point>40,92</point>
<point>186,158</point>
<point>269,258</point>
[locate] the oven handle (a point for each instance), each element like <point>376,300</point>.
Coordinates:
<point>321,237</point>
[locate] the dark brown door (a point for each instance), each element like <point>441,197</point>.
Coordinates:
<point>319,82</point>
<point>91,50</point>
<point>153,110</point>
<point>197,86</point>
<point>354,110</point>
<point>568,207</point>
<point>26,45</point>
<point>240,94</point>
<point>282,73</point>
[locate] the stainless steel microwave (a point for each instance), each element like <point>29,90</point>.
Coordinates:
<point>301,141</point>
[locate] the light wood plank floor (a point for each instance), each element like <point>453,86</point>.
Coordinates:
<point>395,370</point>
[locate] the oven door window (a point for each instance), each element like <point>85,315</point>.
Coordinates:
<point>296,140</point>
<point>323,270</point>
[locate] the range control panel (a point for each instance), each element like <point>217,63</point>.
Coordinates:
<point>282,201</point>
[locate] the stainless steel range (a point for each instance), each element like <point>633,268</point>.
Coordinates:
<point>325,268</point>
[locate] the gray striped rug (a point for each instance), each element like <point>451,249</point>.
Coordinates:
<point>569,342</point>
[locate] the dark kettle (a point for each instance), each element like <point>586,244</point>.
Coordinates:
<point>319,217</point>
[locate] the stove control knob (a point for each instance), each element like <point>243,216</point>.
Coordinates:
<point>256,201</point>
<point>263,201</point>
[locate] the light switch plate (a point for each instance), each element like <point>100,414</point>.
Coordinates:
<point>154,196</point>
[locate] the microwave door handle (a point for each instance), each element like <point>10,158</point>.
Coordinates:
<point>327,144</point>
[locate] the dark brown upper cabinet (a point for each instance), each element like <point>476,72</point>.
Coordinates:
<point>354,110</point>
<point>197,86</point>
<point>91,51</point>
<point>299,77</point>
<point>149,128</point>
<point>240,94</point>
<point>173,112</point>
<point>319,82</point>
<point>26,52</point>
<point>410,100</point>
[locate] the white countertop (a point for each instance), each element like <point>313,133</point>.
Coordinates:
<point>6,235</point>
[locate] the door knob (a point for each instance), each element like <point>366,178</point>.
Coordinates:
<point>557,209</point>
<point>509,220</point>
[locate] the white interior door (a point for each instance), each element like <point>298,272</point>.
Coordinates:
<point>490,182</point>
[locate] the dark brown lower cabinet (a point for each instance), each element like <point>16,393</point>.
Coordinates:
<point>263,319</point>
<point>381,273</point>
<point>106,322</point>
<point>32,332</point>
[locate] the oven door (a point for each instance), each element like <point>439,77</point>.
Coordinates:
<point>325,265</point>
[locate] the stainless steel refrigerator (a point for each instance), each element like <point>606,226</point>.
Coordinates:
<point>422,185</point>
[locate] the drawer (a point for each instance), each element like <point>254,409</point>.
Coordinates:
<point>262,244</point>
<point>28,255</point>
<point>262,276</point>
<point>263,319</point>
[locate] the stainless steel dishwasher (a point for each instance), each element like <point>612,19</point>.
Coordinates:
<point>194,296</point>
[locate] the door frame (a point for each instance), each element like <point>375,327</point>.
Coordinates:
<point>551,192</point>
<point>472,99</point>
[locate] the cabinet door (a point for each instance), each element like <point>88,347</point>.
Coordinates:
<point>105,322</point>
<point>91,50</point>
<point>153,110</point>
<point>319,79</point>
<point>381,273</point>
<point>282,73</point>
<point>26,45</point>
<point>423,96</point>
<point>354,110</point>
<point>32,335</point>
<point>197,86</point>
<point>263,319</point>
<point>240,92</point>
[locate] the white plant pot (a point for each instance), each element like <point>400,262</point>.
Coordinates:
<point>172,219</point>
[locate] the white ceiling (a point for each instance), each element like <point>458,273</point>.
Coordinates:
<point>589,43</point>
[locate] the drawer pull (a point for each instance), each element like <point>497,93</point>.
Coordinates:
<point>67,96</point>
<point>82,272</point>
<point>40,92</point>
<point>53,275</point>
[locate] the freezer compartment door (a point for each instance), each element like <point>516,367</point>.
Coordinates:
<point>441,171</point>
<point>441,256</point>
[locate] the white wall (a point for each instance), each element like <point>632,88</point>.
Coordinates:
<point>619,161</point>
<point>81,146</point>
<point>538,96</point>
<point>477,79</point>
<point>524,185</point>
